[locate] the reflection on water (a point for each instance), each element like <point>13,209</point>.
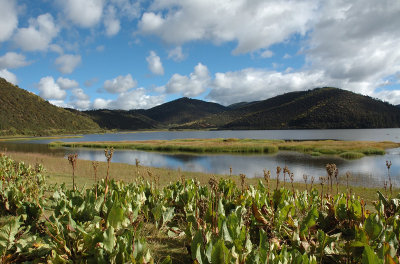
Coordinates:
<point>390,134</point>
<point>368,171</point>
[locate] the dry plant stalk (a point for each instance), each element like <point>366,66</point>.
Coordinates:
<point>95,165</point>
<point>305,177</point>
<point>137,163</point>
<point>278,171</point>
<point>291,176</point>
<point>230,171</point>
<point>388,165</point>
<point>267,177</point>
<point>242,181</point>
<point>285,170</point>
<point>322,181</point>
<point>108,153</point>
<point>312,182</point>
<point>72,158</point>
<point>332,170</point>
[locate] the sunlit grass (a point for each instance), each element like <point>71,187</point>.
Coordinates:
<point>234,145</point>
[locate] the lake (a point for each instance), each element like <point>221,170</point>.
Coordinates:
<point>368,171</point>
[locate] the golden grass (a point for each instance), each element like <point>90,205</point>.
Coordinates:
<point>233,145</point>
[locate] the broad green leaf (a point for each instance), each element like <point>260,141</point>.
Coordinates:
<point>220,254</point>
<point>369,257</point>
<point>109,239</point>
<point>7,234</point>
<point>373,226</point>
<point>196,241</point>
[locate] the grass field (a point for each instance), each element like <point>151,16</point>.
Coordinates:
<point>345,149</point>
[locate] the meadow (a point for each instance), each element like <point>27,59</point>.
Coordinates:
<point>119,213</point>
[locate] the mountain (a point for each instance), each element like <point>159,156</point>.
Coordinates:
<point>120,119</point>
<point>167,115</point>
<point>22,112</point>
<point>319,108</point>
<point>398,105</point>
<point>183,110</point>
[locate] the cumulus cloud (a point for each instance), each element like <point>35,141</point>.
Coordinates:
<point>252,24</point>
<point>176,54</point>
<point>67,63</point>
<point>50,90</point>
<point>135,99</point>
<point>257,84</point>
<point>79,99</point>
<point>267,54</point>
<point>128,8</point>
<point>85,14</point>
<point>194,84</point>
<point>100,103</point>
<point>111,23</point>
<point>66,83</point>
<point>120,84</point>
<point>154,63</point>
<point>8,19</point>
<point>9,76</point>
<point>13,60</point>
<point>356,42</point>
<point>38,35</point>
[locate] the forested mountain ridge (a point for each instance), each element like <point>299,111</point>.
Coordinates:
<point>318,108</point>
<point>22,112</point>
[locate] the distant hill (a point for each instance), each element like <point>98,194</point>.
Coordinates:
<point>167,115</point>
<point>398,105</point>
<point>319,108</point>
<point>120,119</point>
<point>183,110</point>
<point>22,112</point>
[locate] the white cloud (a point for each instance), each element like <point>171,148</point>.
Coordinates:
<point>111,23</point>
<point>100,103</point>
<point>13,60</point>
<point>155,64</point>
<point>176,54</point>
<point>252,24</point>
<point>194,85</point>
<point>90,82</point>
<point>120,84</point>
<point>60,103</point>
<point>356,42</point>
<point>80,100</point>
<point>38,35</point>
<point>128,8</point>
<point>8,19</point>
<point>49,89</point>
<point>9,76</point>
<point>67,63</point>
<point>66,83</point>
<point>267,54</point>
<point>258,84</point>
<point>56,48</point>
<point>83,13</point>
<point>135,99</point>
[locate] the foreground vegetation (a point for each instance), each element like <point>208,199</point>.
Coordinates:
<point>345,149</point>
<point>220,222</point>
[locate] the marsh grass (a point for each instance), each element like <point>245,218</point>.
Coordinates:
<point>345,149</point>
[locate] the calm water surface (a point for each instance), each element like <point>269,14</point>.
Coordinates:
<point>368,171</point>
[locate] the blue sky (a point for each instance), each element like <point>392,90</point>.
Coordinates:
<point>125,54</point>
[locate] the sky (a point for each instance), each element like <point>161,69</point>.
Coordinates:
<point>125,54</point>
